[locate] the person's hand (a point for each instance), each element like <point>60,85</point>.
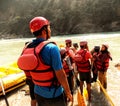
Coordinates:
<point>69,96</point>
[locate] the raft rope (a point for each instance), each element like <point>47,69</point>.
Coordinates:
<point>105,93</point>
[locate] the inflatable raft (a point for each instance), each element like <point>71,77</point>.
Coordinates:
<point>11,77</point>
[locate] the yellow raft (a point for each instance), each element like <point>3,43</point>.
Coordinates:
<point>12,77</point>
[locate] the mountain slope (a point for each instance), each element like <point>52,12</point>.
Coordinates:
<point>66,16</point>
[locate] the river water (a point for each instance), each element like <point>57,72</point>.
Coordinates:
<point>10,50</point>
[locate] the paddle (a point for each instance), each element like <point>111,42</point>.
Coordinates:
<point>80,98</point>
<point>1,83</point>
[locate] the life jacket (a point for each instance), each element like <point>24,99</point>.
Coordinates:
<point>66,66</point>
<point>102,62</point>
<point>28,75</point>
<point>68,50</point>
<point>83,65</point>
<point>94,58</point>
<point>42,74</point>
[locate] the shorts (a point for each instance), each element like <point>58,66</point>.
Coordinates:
<point>30,83</point>
<point>58,101</point>
<point>85,76</point>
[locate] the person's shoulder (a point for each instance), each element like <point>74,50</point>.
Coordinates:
<point>88,53</point>
<point>52,44</point>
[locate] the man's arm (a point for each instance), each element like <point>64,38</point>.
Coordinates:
<point>61,76</point>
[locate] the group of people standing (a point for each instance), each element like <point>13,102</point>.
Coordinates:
<point>50,71</point>
<point>88,64</point>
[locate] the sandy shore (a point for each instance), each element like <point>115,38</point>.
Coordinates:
<point>18,97</point>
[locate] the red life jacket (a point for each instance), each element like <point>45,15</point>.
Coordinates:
<point>65,67</point>
<point>42,74</point>
<point>67,50</point>
<point>83,65</point>
<point>94,58</point>
<point>102,62</point>
<point>28,75</point>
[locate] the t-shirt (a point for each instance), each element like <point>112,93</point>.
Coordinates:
<point>51,56</point>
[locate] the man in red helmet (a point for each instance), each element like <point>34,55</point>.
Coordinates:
<point>69,50</point>
<point>84,67</point>
<point>82,59</point>
<point>49,77</point>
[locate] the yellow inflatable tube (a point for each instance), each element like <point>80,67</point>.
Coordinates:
<point>12,77</point>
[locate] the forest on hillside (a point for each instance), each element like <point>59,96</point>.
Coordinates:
<point>66,16</point>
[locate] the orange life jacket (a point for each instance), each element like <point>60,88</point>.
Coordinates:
<point>42,74</point>
<point>83,65</point>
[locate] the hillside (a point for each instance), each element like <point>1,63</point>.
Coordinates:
<point>66,16</point>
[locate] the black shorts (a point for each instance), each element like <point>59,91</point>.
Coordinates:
<point>58,101</point>
<point>85,76</point>
<point>30,83</point>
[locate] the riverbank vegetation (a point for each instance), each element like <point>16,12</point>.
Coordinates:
<point>66,16</point>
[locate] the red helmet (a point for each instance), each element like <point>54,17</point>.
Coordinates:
<point>62,51</point>
<point>68,41</point>
<point>37,23</point>
<point>106,45</point>
<point>83,43</point>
